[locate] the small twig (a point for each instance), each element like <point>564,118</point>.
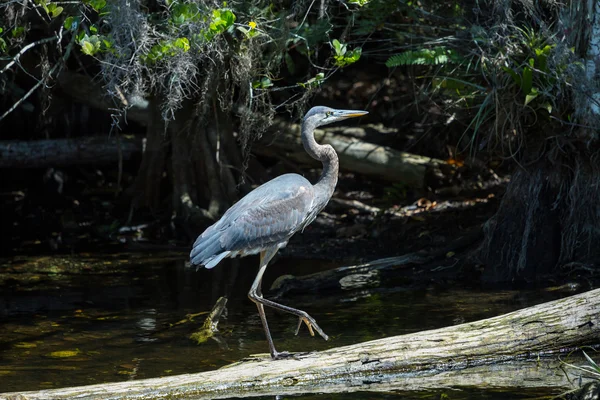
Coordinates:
<point>356,204</point>
<point>42,80</point>
<point>17,56</point>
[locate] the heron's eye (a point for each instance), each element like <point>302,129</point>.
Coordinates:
<point>328,113</point>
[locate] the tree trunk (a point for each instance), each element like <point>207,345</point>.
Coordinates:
<point>549,216</point>
<point>518,349</point>
<point>145,191</point>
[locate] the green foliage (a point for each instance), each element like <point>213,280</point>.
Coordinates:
<point>373,14</point>
<point>3,45</point>
<point>316,81</point>
<point>92,44</point>
<point>359,3</point>
<point>435,56</point>
<point>18,32</point>
<point>262,83</point>
<point>97,5</point>
<point>70,23</point>
<point>342,56</point>
<point>529,69</point>
<point>591,369</point>
<point>167,48</point>
<point>592,366</point>
<point>184,12</point>
<point>52,9</point>
<point>249,32</point>
<point>220,21</point>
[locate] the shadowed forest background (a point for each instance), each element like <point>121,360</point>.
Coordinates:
<point>142,122</point>
<point>128,127</point>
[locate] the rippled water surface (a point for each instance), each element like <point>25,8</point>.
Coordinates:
<point>86,318</point>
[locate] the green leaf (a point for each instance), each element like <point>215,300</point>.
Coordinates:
<point>289,63</point>
<point>3,46</point>
<point>90,45</point>
<point>68,24</point>
<point>548,107</point>
<point>354,55</point>
<point>436,56</point>
<point>53,10</point>
<point>516,77</point>
<point>359,3</point>
<point>531,96</point>
<point>97,5</point>
<point>313,82</point>
<point>338,47</point>
<point>527,80</point>
<point>17,32</point>
<point>182,43</point>
<point>87,48</point>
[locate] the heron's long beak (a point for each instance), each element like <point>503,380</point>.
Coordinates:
<point>349,113</point>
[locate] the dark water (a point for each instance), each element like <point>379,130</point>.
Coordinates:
<point>88,319</point>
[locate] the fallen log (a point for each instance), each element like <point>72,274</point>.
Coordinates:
<point>371,273</point>
<point>518,349</point>
<point>68,151</point>
<point>379,162</point>
<point>356,156</point>
<point>283,138</point>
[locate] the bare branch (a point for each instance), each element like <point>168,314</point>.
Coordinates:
<point>31,45</point>
<point>43,79</point>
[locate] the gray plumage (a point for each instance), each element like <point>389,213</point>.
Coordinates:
<point>266,218</point>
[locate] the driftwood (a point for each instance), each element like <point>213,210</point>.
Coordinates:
<point>366,274</point>
<point>376,161</point>
<point>518,349</point>
<point>73,151</point>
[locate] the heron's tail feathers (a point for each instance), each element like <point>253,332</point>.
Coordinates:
<point>207,251</point>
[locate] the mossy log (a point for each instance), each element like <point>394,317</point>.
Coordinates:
<point>518,349</point>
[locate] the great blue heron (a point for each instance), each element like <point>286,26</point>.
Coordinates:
<point>266,218</point>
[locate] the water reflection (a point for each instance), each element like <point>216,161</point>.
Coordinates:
<point>90,319</point>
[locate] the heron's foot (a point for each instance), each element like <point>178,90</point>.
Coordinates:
<point>282,355</point>
<point>310,324</point>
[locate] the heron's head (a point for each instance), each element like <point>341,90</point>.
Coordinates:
<point>324,115</point>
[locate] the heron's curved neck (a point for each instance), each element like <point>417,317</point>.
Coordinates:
<point>327,155</point>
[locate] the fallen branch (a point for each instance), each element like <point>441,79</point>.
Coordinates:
<point>518,349</point>
<point>72,151</point>
<point>365,274</point>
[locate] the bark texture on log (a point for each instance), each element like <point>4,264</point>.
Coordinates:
<point>491,352</point>
<point>75,151</point>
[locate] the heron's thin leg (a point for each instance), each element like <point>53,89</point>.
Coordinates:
<point>255,295</point>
